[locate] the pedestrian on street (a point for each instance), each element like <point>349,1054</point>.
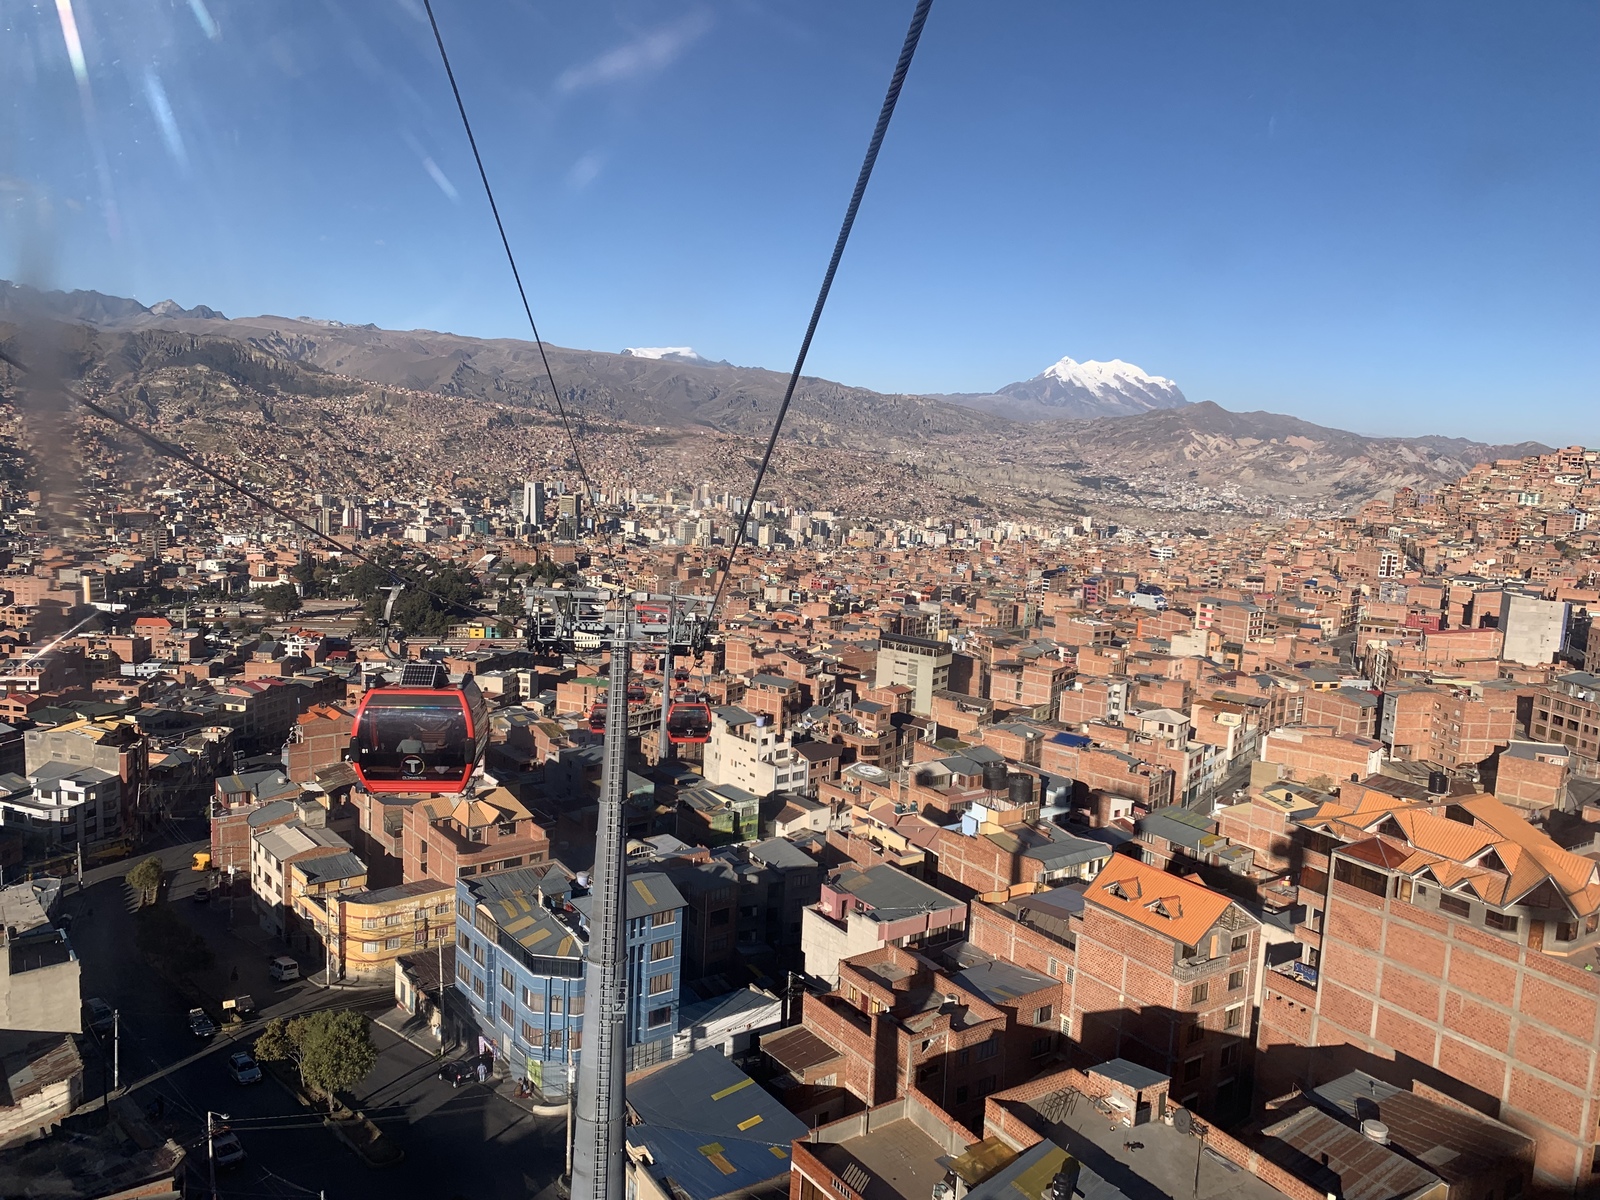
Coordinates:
<point>234,978</point>
<point>483,1071</point>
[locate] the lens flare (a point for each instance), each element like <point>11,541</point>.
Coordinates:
<point>156,96</point>
<point>69,33</point>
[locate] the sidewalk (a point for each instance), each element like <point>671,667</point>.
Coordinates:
<point>538,1105</point>
<point>415,1030</point>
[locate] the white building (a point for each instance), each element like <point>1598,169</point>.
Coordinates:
<point>747,752</point>
<point>68,803</point>
<point>272,850</point>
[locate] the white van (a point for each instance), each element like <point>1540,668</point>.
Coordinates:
<point>284,968</point>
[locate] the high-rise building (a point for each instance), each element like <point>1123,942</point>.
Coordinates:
<point>920,664</point>
<point>533,502</point>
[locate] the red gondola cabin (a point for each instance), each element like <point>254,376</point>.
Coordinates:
<point>689,723</point>
<point>421,736</point>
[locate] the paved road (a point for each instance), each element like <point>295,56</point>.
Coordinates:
<point>469,1142</point>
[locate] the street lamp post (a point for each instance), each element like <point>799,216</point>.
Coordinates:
<point>211,1147</point>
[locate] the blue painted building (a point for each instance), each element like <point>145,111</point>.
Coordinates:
<point>521,938</point>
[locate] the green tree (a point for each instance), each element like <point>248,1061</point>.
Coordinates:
<point>309,575</point>
<point>275,1045</point>
<point>332,1049</point>
<point>281,598</point>
<point>146,879</point>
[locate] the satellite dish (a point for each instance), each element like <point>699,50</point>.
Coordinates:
<point>1182,1122</point>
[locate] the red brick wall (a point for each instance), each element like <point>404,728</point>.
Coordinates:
<point>996,932</point>
<point>1512,1031</point>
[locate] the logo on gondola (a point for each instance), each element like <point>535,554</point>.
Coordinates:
<point>412,764</point>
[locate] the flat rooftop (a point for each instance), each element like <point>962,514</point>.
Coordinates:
<point>1162,1167</point>
<point>899,1162</point>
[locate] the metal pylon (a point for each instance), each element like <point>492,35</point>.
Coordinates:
<point>599,1159</point>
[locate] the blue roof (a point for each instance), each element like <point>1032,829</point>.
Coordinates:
<point>1072,739</point>
<point>678,1155</point>
<point>710,1127</point>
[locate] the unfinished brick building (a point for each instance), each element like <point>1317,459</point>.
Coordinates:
<point>1165,975</point>
<point>1452,943</point>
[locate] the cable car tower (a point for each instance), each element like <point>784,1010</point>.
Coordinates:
<point>567,621</point>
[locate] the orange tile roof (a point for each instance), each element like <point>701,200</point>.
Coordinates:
<point>1160,902</point>
<point>1456,852</point>
<point>1440,835</point>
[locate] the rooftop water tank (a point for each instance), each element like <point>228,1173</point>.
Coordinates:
<point>1019,788</point>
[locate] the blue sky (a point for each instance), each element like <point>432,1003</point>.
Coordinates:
<point>1376,216</point>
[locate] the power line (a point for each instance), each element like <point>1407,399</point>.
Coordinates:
<point>506,242</point>
<point>907,51</point>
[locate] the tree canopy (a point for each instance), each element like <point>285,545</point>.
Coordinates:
<point>146,879</point>
<point>332,1048</point>
<point>280,598</point>
<point>436,595</point>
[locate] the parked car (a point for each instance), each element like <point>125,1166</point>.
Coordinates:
<point>243,1068</point>
<point>462,1071</point>
<point>283,968</point>
<point>201,895</point>
<point>226,1150</point>
<point>101,1017</point>
<point>200,1024</point>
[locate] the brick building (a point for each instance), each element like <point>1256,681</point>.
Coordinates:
<point>1448,941</point>
<point>448,837</point>
<point>1306,754</point>
<point>1568,711</point>
<point>320,738</point>
<point>1102,769</point>
<point>896,1023</point>
<point>1165,975</point>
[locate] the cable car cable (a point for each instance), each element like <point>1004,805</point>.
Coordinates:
<point>506,242</point>
<point>907,51</point>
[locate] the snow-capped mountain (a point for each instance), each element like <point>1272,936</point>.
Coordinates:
<point>682,354</point>
<point>1095,389</point>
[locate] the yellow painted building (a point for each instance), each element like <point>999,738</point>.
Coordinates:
<point>366,931</point>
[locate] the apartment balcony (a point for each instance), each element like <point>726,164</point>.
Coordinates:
<point>1189,969</point>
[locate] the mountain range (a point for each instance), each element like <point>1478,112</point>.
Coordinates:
<point>1105,431</point>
